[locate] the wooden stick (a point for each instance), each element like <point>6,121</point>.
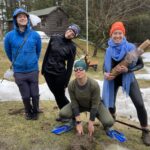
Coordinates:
<point>132,126</point>
<point>145,44</point>
<point>131,56</point>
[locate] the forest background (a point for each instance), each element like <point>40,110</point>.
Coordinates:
<point>101,14</point>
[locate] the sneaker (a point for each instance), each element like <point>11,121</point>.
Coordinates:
<point>62,119</point>
<point>146,137</point>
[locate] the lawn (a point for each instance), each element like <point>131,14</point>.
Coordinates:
<point>19,134</point>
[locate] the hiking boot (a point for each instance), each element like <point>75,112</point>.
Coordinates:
<point>28,109</point>
<point>35,107</point>
<point>28,116</point>
<point>59,119</point>
<point>146,137</point>
<point>35,116</point>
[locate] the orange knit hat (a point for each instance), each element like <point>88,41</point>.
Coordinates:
<point>117,26</point>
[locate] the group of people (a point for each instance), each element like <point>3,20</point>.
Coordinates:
<point>23,47</point>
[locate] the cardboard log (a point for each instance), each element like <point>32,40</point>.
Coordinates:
<point>131,56</point>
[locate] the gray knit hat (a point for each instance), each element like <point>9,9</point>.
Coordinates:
<point>75,28</point>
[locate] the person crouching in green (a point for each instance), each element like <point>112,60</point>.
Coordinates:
<point>85,97</point>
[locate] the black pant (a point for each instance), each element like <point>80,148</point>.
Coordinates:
<point>137,100</point>
<point>28,84</point>
<point>29,89</point>
<point>57,86</point>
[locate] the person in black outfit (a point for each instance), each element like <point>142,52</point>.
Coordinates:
<point>58,63</point>
<point>118,47</point>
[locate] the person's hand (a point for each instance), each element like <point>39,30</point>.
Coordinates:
<point>108,76</point>
<point>91,127</point>
<point>79,129</point>
<point>121,69</point>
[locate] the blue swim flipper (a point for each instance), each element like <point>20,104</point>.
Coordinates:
<point>116,135</point>
<point>62,129</point>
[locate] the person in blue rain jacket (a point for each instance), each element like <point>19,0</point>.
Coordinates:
<point>25,60</point>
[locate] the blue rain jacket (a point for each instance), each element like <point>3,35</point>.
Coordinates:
<point>27,59</point>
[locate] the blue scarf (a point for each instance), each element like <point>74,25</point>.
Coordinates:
<point>117,52</point>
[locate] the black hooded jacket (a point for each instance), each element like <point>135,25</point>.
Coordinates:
<point>59,57</point>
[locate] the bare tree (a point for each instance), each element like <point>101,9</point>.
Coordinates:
<point>102,13</point>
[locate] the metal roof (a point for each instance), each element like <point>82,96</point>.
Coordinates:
<point>45,11</point>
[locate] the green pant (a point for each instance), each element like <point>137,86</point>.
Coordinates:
<point>103,114</point>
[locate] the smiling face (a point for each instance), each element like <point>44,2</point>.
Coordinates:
<point>69,34</point>
<point>117,36</point>
<point>22,19</point>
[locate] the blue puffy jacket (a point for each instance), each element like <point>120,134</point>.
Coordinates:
<point>27,59</point>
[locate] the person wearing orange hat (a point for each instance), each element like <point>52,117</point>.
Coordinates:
<point>117,49</point>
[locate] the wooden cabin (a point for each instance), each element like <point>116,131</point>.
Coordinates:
<point>54,20</point>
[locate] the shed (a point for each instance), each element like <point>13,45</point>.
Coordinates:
<point>54,20</point>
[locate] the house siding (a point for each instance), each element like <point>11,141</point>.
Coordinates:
<point>54,23</point>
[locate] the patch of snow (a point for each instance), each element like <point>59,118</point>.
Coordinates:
<point>9,92</point>
<point>146,56</point>
<point>143,76</point>
<point>147,69</point>
<point>44,37</point>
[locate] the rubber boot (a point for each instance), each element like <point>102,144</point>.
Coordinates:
<point>28,109</point>
<point>35,103</point>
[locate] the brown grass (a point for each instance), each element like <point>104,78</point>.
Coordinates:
<point>20,134</point>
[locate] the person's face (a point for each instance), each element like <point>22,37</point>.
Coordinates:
<point>22,19</point>
<point>69,34</point>
<point>117,36</point>
<point>79,73</point>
